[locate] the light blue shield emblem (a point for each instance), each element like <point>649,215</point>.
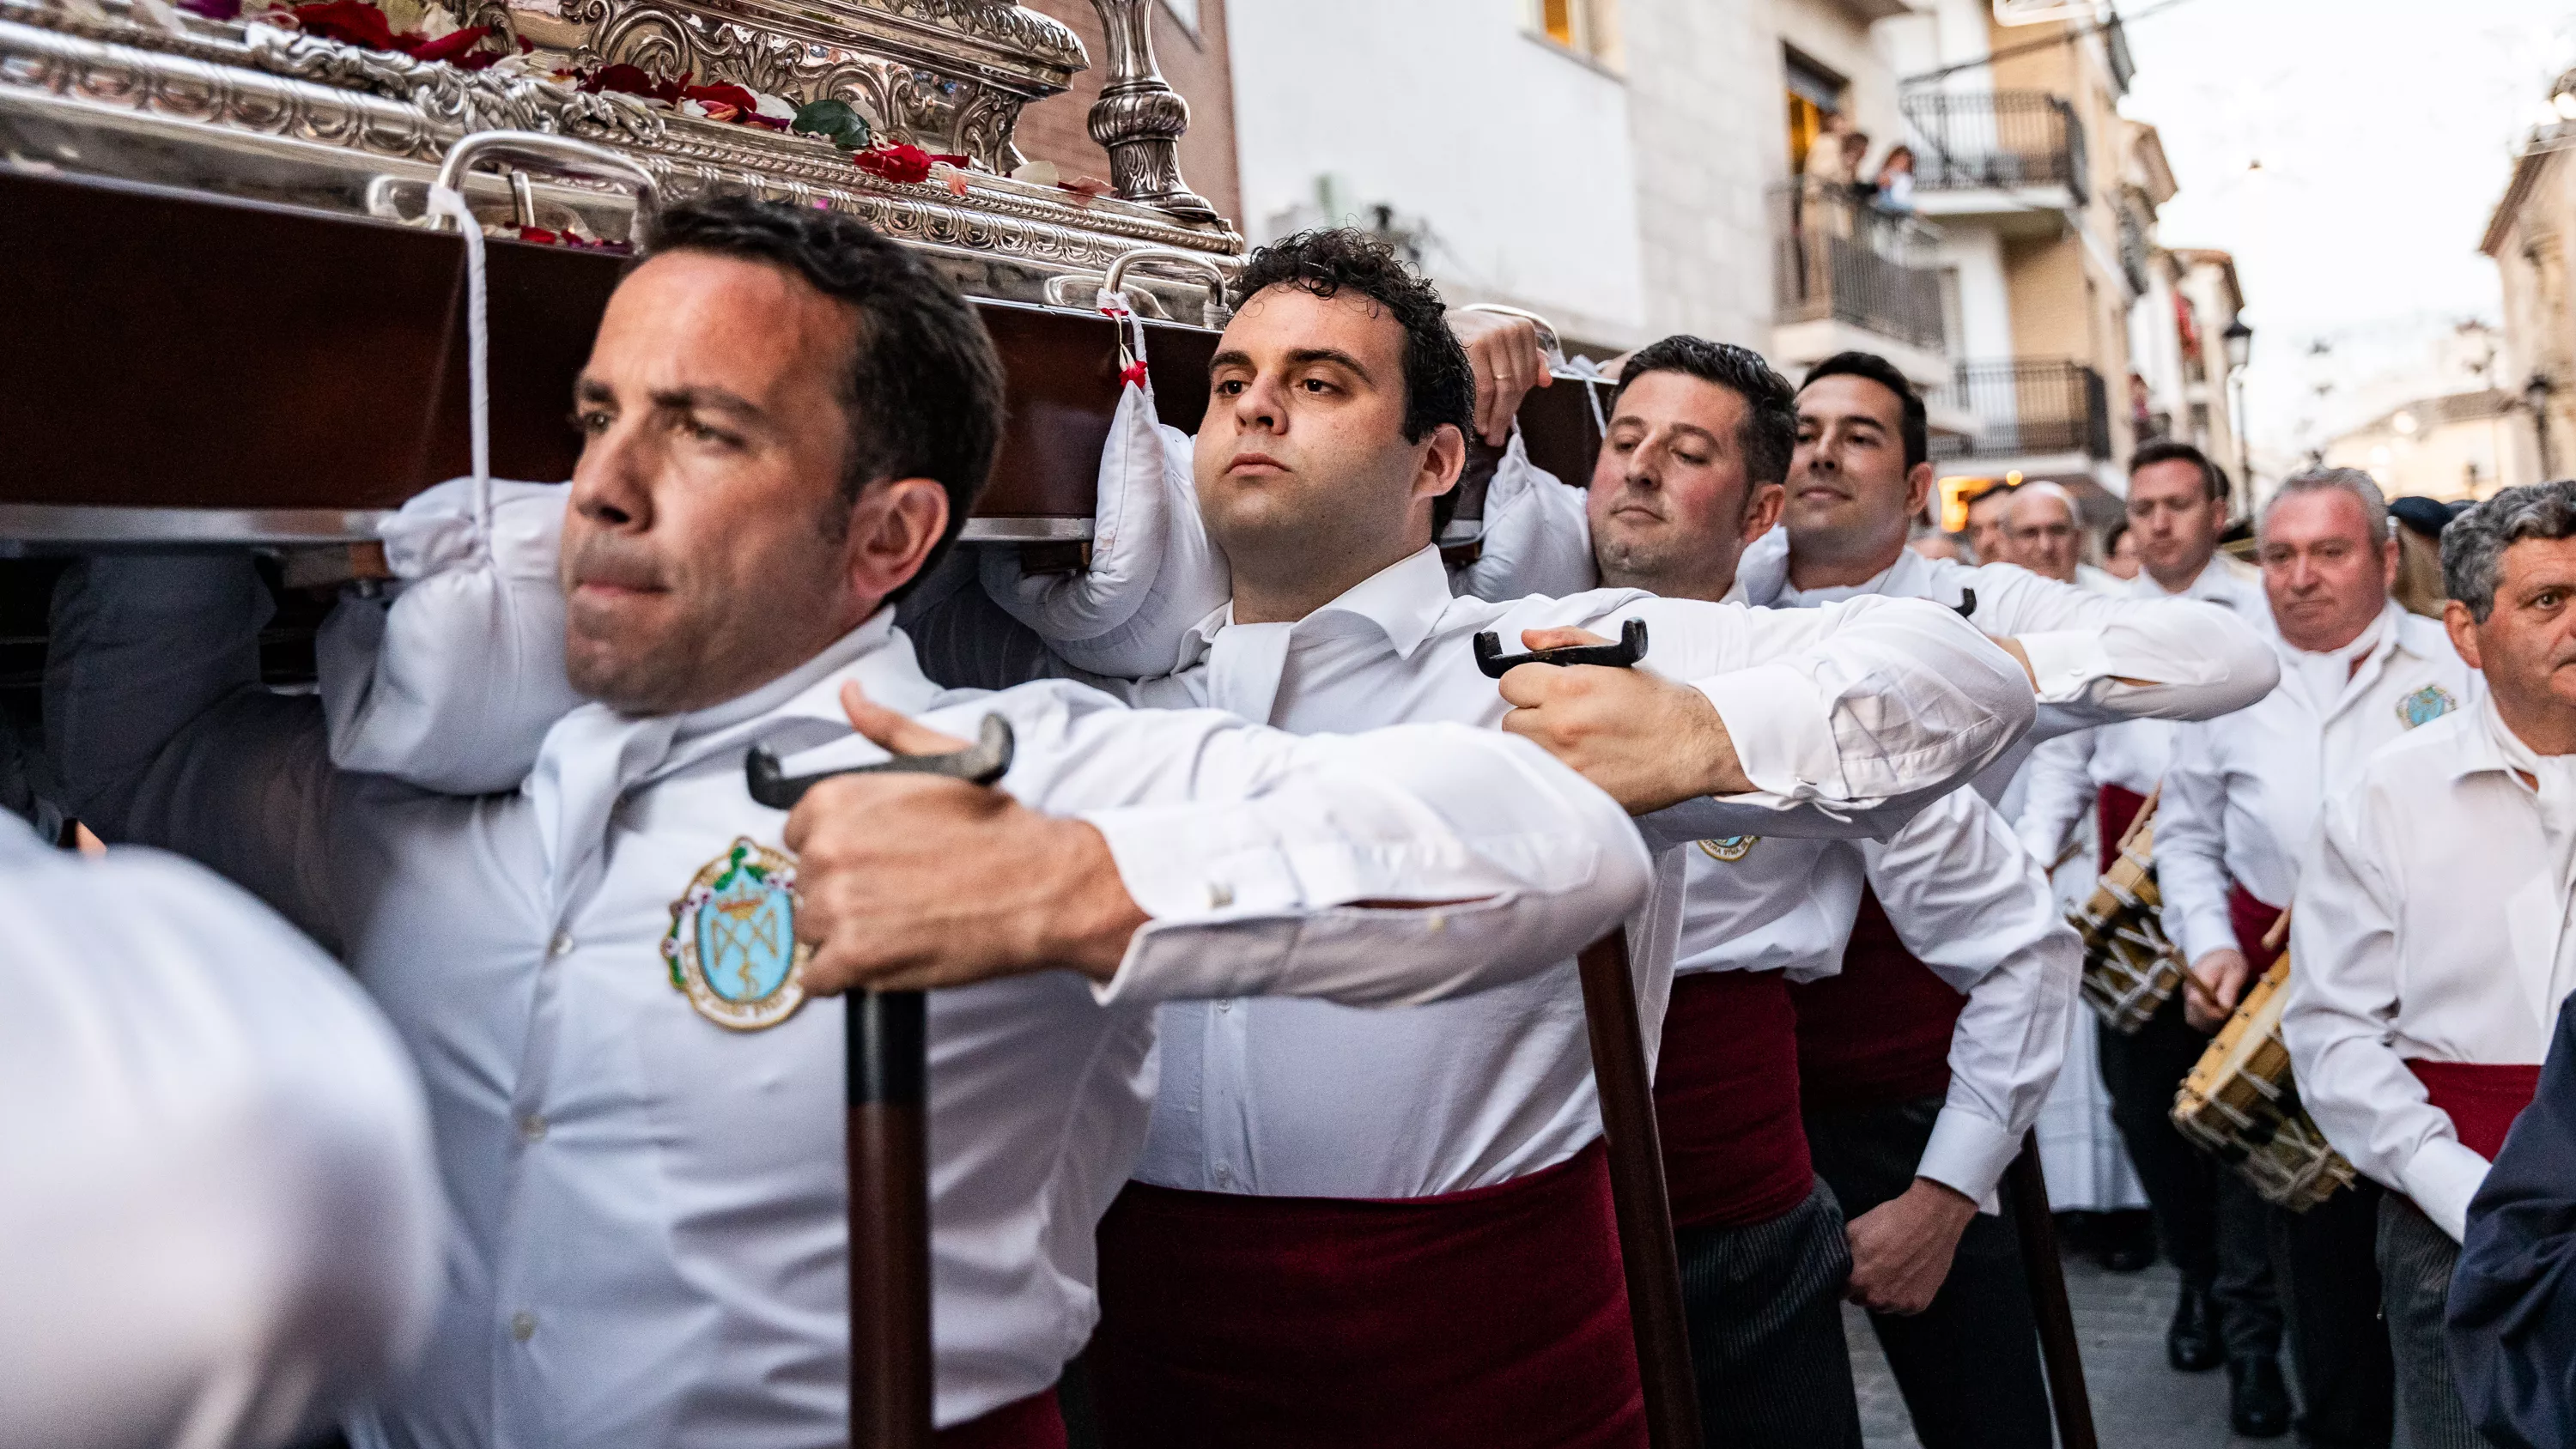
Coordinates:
<point>2426,705</point>
<point>732,947</point>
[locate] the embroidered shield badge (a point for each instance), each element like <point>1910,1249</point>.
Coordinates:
<point>1730,849</point>
<point>732,946</point>
<point>2426,705</point>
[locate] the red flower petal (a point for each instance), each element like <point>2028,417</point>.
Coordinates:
<point>351,21</point>
<point>634,80</point>
<point>901,164</point>
<point>722,95</point>
<point>447,47</point>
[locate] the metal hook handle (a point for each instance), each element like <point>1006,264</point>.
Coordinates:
<point>561,153</point>
<point>1631,647</point>
<point>980,763</point>
<point>1550,338</point>
<point>1215,314</point>
<point>1967,604</point>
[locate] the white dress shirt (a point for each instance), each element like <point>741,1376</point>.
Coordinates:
<point>2433,924</point>
<point>2066,774</point>
<point>2242,792</point>
<point>1847,719</point>
<point>219,1214</point>
<point>650,1209</point>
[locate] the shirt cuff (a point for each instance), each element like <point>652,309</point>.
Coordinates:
<point>1783,734</point>
<point>1187,868</point>
<point>2065,662</point>
<point>2200,931</point>
<point>1968,1152</point>
<point>2442,1176</point>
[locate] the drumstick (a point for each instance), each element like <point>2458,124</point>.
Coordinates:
<point>2280,931</point>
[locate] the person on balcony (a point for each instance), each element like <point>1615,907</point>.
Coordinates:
<point>1895,188</point>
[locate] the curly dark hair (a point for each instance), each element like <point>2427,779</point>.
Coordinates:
<point>1438,387</point>
<point>1769,432</point>
<point>923,390</point>
<point>1914,420</point>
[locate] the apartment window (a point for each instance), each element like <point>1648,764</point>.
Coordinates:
<point>1187,13</point>
<point>1814,94</point>
<point>1588,28</point>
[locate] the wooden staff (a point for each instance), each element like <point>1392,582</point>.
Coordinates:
<point>888,1149</point>
<point>1647,1256</point>
<point>2046,1277</point>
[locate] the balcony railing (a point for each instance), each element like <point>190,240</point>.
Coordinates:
<point>2026,406</point>
<point>1996,140</point>
<point>1837,256</point>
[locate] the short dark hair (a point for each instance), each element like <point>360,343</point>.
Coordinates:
<point>1769,432</point>
<point>1914,422</point>
<point>2213,479</point>
<point>1438,386</point>
<point>2473,546</point>
<point>2111,536</point>
<point>923,389</point>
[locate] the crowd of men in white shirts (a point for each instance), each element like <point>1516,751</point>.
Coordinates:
<point>1260,1091</point>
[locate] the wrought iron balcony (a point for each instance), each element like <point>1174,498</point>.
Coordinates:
<point>2027,407</point>
<point>1838,257</point>
<point>1996,140</point>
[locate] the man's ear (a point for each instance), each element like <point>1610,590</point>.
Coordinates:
<point>892,532</point>
<point>1442,462</point>
<point>1763,509</point>
<point>1918,488</point>
<point>2463,630</point>
<point>2391,555</point>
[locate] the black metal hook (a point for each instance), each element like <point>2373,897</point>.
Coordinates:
<point>980,763</point>
<point>1967,604</point>
<point>1631,647</point>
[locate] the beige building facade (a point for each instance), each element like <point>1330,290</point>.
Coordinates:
<point>2529,236</point>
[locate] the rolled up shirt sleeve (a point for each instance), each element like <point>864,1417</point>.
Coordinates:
<point>1847,718</point>
<point>1968,901</point>
<point>1376,869</point>
<point>2191,848</point>
<point>2337,1023</point>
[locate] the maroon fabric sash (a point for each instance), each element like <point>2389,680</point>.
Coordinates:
<point>1495,1318</point>
<point>2481,1098</point>
<point>2252,920</point>
<point>1726,1100</point>
<point>1878,1033</point>
<point>1031,1423</point>
<point>2113,809</point>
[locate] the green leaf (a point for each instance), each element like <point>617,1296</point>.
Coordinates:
<point>836,121</point>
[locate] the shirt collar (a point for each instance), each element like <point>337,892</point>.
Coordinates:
<point>1908,577</point>
<point>1405,600</point>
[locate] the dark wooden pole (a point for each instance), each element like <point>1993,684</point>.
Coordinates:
<point>2041,1269</point>
<point>889,1164</point>
<point>1645,1213</point>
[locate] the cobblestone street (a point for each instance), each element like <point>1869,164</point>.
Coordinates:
<point>2138,1403</point>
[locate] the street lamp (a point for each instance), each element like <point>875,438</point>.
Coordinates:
<point>2239,341</point>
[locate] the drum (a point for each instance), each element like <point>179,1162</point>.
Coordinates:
<point>2130,968</point>
<point>2241,1104</point>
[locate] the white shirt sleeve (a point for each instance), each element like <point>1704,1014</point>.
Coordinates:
<point>222,1215</point>
<point>2059,790</point>
<point>1847,718</point>
<point>2343,999</point>
<point>2191,847</point>
<point>1278,864</point>
<point>1969,902</point>
<point>1536,539</point>
<point>2192,660</point>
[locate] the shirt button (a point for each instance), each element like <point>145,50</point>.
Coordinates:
<point>1220,895</point>
<point>1225,1006</point>
<point>533,1127</point>
<point>523,1326</point>
<point>1224,1175</point>
<point>559,946</point>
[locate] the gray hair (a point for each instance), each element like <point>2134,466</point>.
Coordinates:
<point>2473,546</point>
<point>2374,504</point>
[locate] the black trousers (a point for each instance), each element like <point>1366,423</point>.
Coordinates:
<point>2327,1259</point>
<point>1969,1364</point>
<point>1764,1306</point>
<point>2212,1224</point>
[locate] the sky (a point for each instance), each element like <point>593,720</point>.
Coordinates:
<point>2348,152</point>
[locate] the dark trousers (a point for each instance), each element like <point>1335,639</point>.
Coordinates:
<point>2328,1267</point>
<point>1764,1306</point>
<point>2209,1220</point>
<point>2416,1259</point>
<point>1968,1364</point>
